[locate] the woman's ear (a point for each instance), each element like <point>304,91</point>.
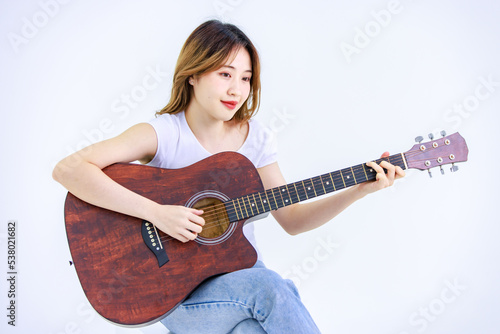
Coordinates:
<point>191,81</point>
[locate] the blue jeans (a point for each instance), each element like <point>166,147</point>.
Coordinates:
<point>254,300</point>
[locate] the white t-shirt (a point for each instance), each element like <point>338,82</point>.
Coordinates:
<point>178,147</point>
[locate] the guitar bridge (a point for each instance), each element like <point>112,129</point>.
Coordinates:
<point>152,240</point>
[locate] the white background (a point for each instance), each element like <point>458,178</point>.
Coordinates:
<point>396,252</point>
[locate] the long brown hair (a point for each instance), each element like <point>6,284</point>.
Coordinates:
<point>207,49</point>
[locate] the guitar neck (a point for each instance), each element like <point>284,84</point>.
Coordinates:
<point>272,199</point>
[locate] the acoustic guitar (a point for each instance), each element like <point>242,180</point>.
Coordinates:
<point>133,274</point>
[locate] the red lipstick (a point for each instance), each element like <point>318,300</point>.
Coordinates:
<point>230,104</point>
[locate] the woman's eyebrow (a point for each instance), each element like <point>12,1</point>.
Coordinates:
<point>234,68</point>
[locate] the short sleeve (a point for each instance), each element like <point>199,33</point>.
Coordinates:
<point>261,146</point>
<point>167,133</point>
<point>269,149</point>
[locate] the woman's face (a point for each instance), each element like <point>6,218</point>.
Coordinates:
<point>221,93</point>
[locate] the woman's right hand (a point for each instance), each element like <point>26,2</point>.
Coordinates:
<point>178,221</point>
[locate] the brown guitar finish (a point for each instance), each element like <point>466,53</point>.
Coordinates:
<point>120,275</point>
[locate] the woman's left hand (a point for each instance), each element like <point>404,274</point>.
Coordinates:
<point>383,179</point>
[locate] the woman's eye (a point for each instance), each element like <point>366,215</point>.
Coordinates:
<point>246,79</point>
<point>225,75</point>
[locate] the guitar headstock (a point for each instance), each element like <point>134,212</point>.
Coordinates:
<point>446,150</point>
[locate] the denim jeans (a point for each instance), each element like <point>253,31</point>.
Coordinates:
<point>254,300</point>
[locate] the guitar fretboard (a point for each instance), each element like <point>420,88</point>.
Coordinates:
<point>272,199</point>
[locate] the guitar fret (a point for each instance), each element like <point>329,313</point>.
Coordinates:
<point>245,206</point>
<point>251,205</point>
<point>289,196</point>
<point>277,197</point>
<point>318,187</point>
<point>285,195</point>
<point>301,190</point>
<point>280,196</point>
<point>333,183</point>
<point>236,210</point>
<point>342,176</point>
<point>305,191</point>
<point>327,183</point>
<point>270,195</point>
<point>348,177</point>
<point>313,187</point>
<point>242,214</point>
<point>256,203</point>
<point>371,173</point>
<point>354,176</point>
<point>338,180</point>
<point>309,189</point>
<point>270,202</point>
<point>264,202</point>
<point>296,193</point>
<point>364,170</point>
<point>322,184</point>
<point>360,174</point>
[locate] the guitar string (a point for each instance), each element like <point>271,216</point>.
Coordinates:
<point>215,212</point>
<point>299,193</point>
<point>210,224</point>
<point>274,191</point>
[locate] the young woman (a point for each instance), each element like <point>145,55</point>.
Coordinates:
<point>216,91</point>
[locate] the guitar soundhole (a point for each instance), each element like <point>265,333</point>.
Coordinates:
<point>215,215</point>
<point>217,227</point>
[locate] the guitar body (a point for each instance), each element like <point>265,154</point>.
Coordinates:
<point>121,276</point>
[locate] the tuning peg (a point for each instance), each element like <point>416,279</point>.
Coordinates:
<point>442,170</point>
<point>443,133</point>
<point>431,136</point>
<point>430,174</point>
<point>419,139</point>
<point>453,168</point>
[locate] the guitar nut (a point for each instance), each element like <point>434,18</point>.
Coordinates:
<point>452,156</point>
<point>440,160</point>
<point>422,148</point>
<point>435,145</point>
<point>427,163</point>
<point>447,142</point>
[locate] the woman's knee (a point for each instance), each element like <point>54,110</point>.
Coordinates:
<point>272,289</point>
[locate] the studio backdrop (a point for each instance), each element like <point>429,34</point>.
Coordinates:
<point>342,82</point>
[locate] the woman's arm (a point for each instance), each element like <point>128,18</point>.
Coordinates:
<point>304,217</point>
<point>81,173</point>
